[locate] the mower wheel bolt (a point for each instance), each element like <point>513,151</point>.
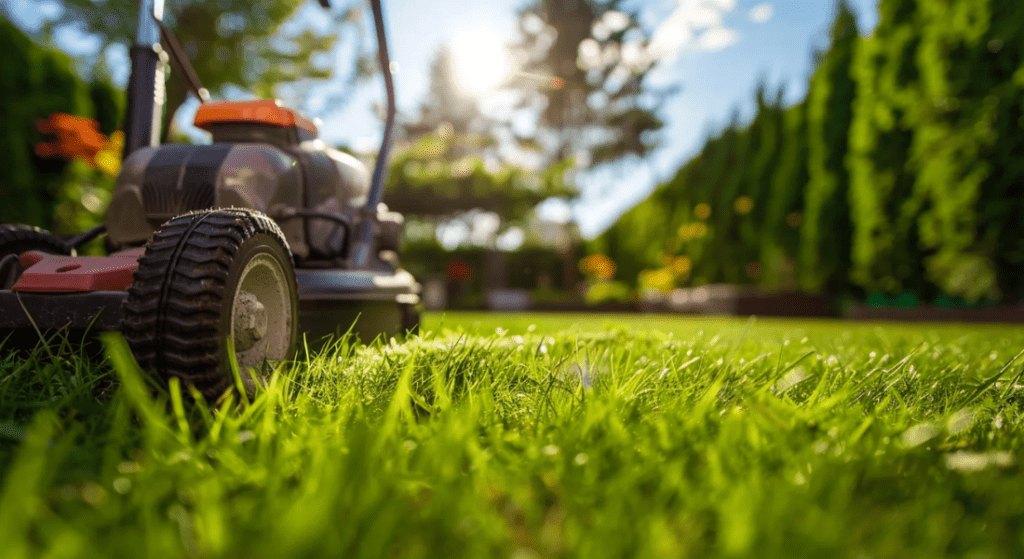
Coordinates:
<point>250,321</point>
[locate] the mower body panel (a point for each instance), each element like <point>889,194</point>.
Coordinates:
<point>331,302</point>
<point>159,183</point>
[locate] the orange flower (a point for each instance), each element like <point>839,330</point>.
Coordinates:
<point>79,137</point>
<point>75,137</point>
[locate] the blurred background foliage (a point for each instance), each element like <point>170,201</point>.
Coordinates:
<point>898,173</point>
<point>242,44</point>
<point>36,82</point>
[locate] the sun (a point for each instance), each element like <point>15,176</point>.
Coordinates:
<point>481,61</point>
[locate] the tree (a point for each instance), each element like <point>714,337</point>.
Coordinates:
<point>447,162</point>
<point>583,68</point>
<point>885,253</point>
<point>229,42</point>
<point>966,149</point>
<point>446,104</point>
<point>825,250</point>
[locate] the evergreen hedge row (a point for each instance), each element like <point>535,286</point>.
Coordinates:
<point>900,172</point>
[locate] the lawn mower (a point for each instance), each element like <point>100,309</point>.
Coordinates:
<point>230,251</point>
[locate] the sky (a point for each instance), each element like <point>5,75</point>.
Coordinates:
<point>716,51</point>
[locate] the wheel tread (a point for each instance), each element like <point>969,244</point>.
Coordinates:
<point>172,312</point>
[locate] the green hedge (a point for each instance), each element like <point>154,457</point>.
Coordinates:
<point>901,172</point>
<point>36,82</point>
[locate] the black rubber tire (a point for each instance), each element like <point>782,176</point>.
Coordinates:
<point>179,310</point>
<point>16,239</point>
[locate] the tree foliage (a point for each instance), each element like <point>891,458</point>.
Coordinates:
<point>825,251</point>
<point>728,213</point>
<point>936,132</point>
<point>448,161</point>
<point>899,174</point>
<point>583,70</point>
<point>231,43</point>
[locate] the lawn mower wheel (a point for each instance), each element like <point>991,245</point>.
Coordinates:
<point>207,276</point>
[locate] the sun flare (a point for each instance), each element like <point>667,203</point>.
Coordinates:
<point>481,61</point>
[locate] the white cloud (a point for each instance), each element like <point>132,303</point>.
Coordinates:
<point>692,19</point>
<point>717,38</point>
<point>762,13</point>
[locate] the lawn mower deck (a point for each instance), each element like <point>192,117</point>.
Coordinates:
<point>87,293</point>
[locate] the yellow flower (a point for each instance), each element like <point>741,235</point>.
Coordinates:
<point>702,211</point>
<point>597,266</point>
<point>660,280</point>
<point>699,230</point>
<point>681,266</point>
<point>743,205</point>
<point>108,158</point>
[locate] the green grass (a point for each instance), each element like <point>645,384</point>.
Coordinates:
<point>536,436</point>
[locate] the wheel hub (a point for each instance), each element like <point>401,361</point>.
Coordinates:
<point>261,314</point>
<point>250,321</point>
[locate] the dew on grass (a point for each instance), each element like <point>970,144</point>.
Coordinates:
<point>129,467</point>
<point>790,379</point>
<point>245,436</point>
<point>122,485</point>
<point>970,462</point>
<point>918,434</point>
<point>185,455</point>
<point>525,553</point>
<point>409,445</point>
<point>531,328</point>
<point>580,459</point>
<point>94,494</point>
<point>960,420</point>
<point>551,450</point>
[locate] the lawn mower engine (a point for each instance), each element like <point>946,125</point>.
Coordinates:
<point>221,256</point>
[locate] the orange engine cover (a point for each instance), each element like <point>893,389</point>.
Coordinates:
<point>250,112</point>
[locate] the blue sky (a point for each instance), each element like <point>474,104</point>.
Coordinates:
<point>717,72</point>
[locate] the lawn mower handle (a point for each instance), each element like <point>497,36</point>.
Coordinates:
<point>364,244</point>
<point>142,121</point>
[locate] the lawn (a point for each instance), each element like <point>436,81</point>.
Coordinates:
<point>525,436</point>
